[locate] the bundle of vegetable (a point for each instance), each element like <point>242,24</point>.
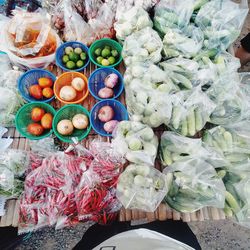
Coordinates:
<point>136,142</point>
<point>232,141</point>
<point>141,187</point>
<point>190,112</point>
<point>10,100</point>
<point>130,21</point>
<point>182,72</point>
<point>148,105</point>
<point>151,75</point>
<point>177,148</point>
<point>48,196</point>
<point>13,164</point>
<point>237,183</point>
<point>172,14</point>
<point>186,43</point>
<point>142,46</point>
<point>221,22</point>
<point>193,184</point>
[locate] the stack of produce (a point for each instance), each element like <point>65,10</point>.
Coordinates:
<point>60,187</point>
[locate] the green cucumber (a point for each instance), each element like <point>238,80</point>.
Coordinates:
<point>198,120</point>
<point>191,122</point>
<point>232,202</point>
<point>228,139</point>
<point>176,117</point>
<point>184,127</point>
<point>166,157</point>
<point>184,81</point>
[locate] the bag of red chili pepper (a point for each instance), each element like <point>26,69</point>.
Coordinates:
<point>49,193</point>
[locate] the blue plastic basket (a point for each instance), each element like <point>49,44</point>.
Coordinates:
<point>96,82</point>
<point>30,78</point>
<point>60,53</point>
<point>120,111</point>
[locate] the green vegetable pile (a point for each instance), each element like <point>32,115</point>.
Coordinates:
<point>74,58</point>
<point>106,55</point>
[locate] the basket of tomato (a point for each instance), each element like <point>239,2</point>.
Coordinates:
<point>36,85</point>
<point>34,120</point>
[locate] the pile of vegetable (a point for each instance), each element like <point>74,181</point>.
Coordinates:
<point>42,90</point>
<point>136,142</point>
<point>66,126</point>
<point>110,83</point>
<point>69,92</point>
<point>41,121</point>
<point>74,58</point>
<point>106,55</point>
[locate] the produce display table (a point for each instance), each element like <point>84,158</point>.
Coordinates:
<point>163,212</point>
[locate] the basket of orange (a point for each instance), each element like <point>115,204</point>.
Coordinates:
<point>71,88</point>
<point>34,120</point>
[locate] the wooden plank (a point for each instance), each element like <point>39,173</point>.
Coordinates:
<point>176,215</point>
<point>122,216</point>
<point>10,212</point>
<point>16,214</point>
<point>162,212</point>
<point>150,216</point>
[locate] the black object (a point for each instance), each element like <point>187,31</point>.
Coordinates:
<point>245,43</point>
<point>178,230</point>
<point>9,238</point>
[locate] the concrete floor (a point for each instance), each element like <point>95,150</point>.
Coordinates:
<point>219,235</point>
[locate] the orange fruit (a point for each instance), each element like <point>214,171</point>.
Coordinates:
<point>36,91</point>
<point>35,129</point>
<point>46,121</point>
<point>37,114</point>
<point>48,92</point>
<point>45,82</point>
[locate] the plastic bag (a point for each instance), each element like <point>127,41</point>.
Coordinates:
<point>141,187</point>
<point>190,112</point>
<point>148,105</point>
<point>142,46</point>
<point>231,140</point>
<point>177,148</point>
<point>28,39</point>
<point>13,164</point>
<point>172,14</point>
<point>193,184</point>
<point>132,20</point>
<point>182,72</point>
<point>4,142</point>
<point>136,142</point>
<point>221,22</point>
<point>186,43</point>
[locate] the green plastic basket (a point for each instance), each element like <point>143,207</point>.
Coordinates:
<point>101,43</point>
<point>23,119</point>
<point>67,112</point>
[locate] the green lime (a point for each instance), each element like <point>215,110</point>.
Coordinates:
<point>68,50</point>
<point>83,56</point>
<point>114,53</point>
<point>105,62</point>
<point>78,51</point>
<point>111,60</point>
<point>65,58</point>
<point>107,47</point>
<point>79,64</point>
<point>70,65</point>
<point>98,51</point>
<point>73,56</point>
<point>99,59</point>
<point>105,53</point>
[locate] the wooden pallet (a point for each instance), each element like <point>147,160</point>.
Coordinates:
<point>164,212</point>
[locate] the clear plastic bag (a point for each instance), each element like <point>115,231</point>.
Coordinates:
<point>142,46</point>
<point>186,43</point>
<point>28,39</point>
<point>141,187</point>
<point>231,140</point>
<point>172,14</point>
<point>193,184</point>
<point>132,20</point>
<point>182,72</point>
<point>221,22</point>
<point>136,142</point>
<point>191,111</point>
